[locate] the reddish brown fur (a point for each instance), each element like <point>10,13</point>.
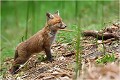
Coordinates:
<point>41,41</point>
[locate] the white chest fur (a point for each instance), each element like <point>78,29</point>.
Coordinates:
<point>52,36</point>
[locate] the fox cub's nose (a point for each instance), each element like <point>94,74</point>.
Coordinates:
<point>65,26</point>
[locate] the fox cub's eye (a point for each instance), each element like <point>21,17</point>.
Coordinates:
<point>59,22</point>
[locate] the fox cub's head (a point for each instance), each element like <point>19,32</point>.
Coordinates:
<point>55,21</point>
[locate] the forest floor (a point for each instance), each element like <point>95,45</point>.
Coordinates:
<point>64,64</point>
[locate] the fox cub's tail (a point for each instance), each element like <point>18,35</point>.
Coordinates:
<point>16,54</point>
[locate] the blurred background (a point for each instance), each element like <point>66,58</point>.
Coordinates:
<point>22,19</point>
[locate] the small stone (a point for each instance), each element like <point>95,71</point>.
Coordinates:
<point>55,73</point>
<point>19,78</point>
<point>64,78</point>
<point>61,58</point>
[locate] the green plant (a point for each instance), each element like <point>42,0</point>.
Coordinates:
<point>78,51</point>
<point>106,58</point>
<point>41,58</point>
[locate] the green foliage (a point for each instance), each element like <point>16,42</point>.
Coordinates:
<point>106,58</point>
<point>78,53</point>
<point>41,58</point>
<point>67,37</point>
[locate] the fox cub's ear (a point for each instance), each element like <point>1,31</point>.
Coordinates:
<point>49,16</point>
<point>57,12</point>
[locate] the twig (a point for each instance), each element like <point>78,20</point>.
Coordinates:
<point>62,73</point>
<point>67,30</point>
<point>23,65</point>
<point>104,42</point>
<point>70,54</point>
<point>116,25</point>
<point>107,41</point>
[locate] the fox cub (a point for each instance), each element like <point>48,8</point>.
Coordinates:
<point>41,41</point>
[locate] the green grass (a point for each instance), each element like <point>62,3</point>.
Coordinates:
<point>106,58</point>
<point>14,19</point>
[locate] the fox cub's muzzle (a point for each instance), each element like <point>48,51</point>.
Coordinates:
<point>62,25</point>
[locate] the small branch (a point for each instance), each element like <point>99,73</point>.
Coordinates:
<point>68,55</point>
<point>23,65</point>
<point>62,73</point>
<point>67,30</point>
<point>107,41</point>
<point>104,42</point>
<point>116,25</point>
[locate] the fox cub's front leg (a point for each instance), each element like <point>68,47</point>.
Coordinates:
<point>48,53</point>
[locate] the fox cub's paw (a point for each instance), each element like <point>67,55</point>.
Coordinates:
<point>50,59</point>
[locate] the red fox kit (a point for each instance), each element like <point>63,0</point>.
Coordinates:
<point>41,41</point>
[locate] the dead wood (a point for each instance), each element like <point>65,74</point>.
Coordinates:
<point>104,42</point>
<point>100,35</point>
<point>68,55</point>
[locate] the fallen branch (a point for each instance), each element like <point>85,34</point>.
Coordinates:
<point>99,35</point>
